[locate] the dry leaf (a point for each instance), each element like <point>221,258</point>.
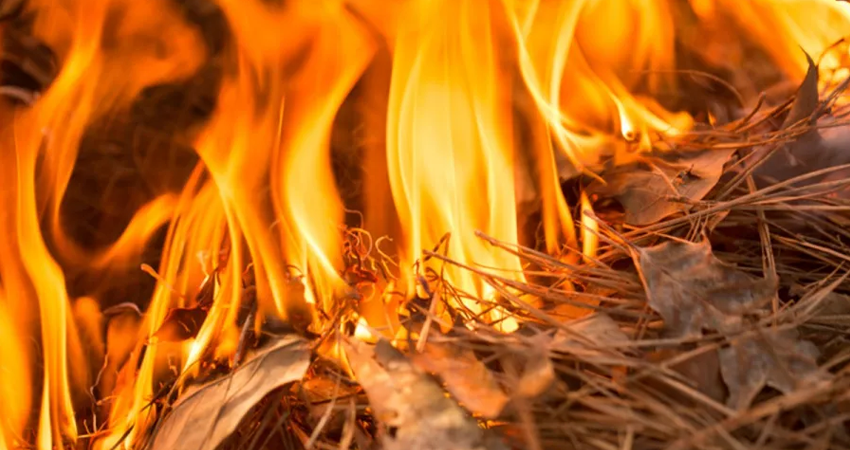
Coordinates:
<point>537,375</point>
<point>204,416</point>
<point>588,334</point>
<point>702,372</point>
<point>820,148</point>
<point>649,191</point>
<point>823,301</point>
<point>776,358</point>
<point>693,290</point>
<point>807,99</point>
<point>465,377</point>
<point>412,405</point>
<point>834,305</point>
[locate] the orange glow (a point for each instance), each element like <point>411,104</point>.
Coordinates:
<point>784,27</point>
<point>14,371</point>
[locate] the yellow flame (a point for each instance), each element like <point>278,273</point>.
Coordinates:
<point>449,137</point>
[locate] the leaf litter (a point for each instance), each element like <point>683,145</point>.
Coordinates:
<point>694,291</point>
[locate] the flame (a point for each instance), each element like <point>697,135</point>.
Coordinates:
<point>783,29</point>
<point>449,143</point>
<point>14,370</point>
<point>467,116</point>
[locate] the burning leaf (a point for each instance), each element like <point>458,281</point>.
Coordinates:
<point>181,324</point>
<point>649,191</point>
<point>692,289</point>
<point>807,96</point>
<point>205,416</point>
<point>412,405</point>
<point>776,358</point>
<point>465,377</point>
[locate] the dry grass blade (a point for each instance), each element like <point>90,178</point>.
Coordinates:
<point>206,415</point>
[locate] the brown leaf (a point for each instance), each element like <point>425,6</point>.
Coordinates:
<point>204,416</point>
<point>537,375</point>
<point>588,335</point>
<point>648,191</point>
<point>702,372</point>
<point>693,290</point>
<point>822,301</point>
<point>834,305</point>
<point>412,404</point>
<point>181,324</point>
<point>776,358</point>
<point>819,148</point>
<point>465,377</point>
<point>807,99</point>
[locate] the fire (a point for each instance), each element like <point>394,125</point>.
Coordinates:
<point>468,115</point>
<point>447,69</point>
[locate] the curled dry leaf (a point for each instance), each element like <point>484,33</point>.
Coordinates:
<point>663,185</point>
<point>465,377</point>
<point>412,404</point>
<point>775,358</point>
<point>206,415</point>
<point>693,290</point>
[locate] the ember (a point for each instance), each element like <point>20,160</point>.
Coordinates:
<point>424,224</point>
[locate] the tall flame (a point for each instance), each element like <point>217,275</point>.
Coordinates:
<point>449,136</point>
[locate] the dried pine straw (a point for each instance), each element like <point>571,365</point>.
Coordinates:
<point>622,378</point>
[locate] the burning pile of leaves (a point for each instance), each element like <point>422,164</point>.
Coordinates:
<point>716,315</point>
